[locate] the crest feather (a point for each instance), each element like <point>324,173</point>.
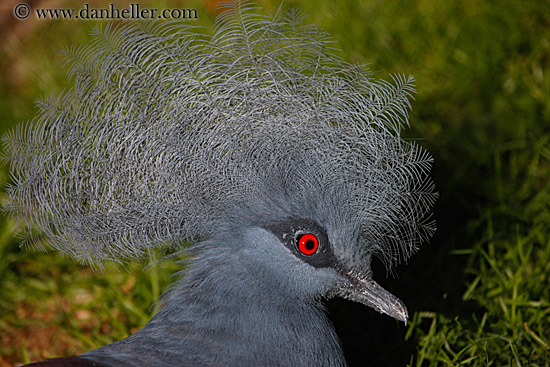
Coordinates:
<point>168,135</point>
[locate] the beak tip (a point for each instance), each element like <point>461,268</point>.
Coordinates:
<point>404,317</point>
<point>398,311</point>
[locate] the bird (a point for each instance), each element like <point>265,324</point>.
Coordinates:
<point>276,167</point>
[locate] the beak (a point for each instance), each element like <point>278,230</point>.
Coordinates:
<point>359,288</point>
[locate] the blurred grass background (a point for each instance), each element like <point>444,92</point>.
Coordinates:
<point>478,294</point>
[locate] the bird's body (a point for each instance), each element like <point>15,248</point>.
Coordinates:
<point>279,163</point>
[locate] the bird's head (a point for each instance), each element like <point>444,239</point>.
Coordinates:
<point>169,137</point>
<point>318,204</point>
<point>295,258</point>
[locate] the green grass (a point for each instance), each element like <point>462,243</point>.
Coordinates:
<point>478,293</point>
<point>57,308</point>
<point>506,277</point>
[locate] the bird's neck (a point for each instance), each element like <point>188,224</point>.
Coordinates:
<point>232,317</point>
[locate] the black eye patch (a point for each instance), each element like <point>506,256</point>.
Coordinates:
<point>306,239</point>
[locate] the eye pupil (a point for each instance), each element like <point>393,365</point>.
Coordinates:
<point>308,244</point>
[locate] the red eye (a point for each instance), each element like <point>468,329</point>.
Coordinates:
<point>308,244</point>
